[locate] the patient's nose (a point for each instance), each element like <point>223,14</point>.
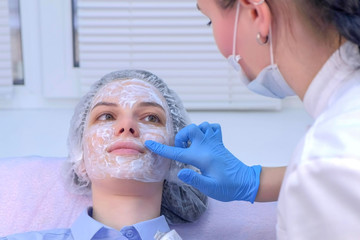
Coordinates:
<point>127,127</point>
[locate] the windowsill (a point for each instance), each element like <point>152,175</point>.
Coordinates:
<point>23,98</point>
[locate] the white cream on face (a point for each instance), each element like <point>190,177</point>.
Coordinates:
<point>118,125</point>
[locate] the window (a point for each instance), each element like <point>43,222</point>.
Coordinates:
<point>11,69</point>
<point>16,43</point>
<point>168,38</point>
<point>67,45</point>
<point>6,75</point>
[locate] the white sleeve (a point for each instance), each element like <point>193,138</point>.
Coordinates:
<point>323,200</point>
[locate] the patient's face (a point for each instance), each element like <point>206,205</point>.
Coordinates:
<point>123,115</point>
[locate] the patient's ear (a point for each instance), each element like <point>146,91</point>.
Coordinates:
<point>80,171</point>
<point>79,178</point>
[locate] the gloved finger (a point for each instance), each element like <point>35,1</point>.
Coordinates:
<point>209,129</point>
<point>201,182</point>
<point>217,130</point>
<point>164,150</point>
<point>204,126</point>
<point>188,134</point>
<point>174,153</point>
<point>216,127</point>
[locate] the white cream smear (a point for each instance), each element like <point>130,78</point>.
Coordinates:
<point>129,158</point>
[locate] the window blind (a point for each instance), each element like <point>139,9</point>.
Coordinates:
<point>167,38</point>
<point>6,80</point>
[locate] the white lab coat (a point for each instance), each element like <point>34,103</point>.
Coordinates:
<point>320,195</point>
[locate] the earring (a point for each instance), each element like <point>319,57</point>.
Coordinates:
<point>258,39</point>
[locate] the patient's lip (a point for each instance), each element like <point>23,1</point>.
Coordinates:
<point>126,148</point>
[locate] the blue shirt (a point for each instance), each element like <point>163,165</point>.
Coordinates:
<point>86,228</point>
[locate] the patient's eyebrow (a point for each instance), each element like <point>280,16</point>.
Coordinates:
<point>150,104</point>
<point>104,104</point>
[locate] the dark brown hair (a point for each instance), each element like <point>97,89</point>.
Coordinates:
<point>343,15</point>
<point>225,4</point>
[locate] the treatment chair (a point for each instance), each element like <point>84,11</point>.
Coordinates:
<point>33,197</point>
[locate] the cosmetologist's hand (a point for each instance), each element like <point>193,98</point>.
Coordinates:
<point>223,176</point>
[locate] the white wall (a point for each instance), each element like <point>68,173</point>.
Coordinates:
<point>265,137</point>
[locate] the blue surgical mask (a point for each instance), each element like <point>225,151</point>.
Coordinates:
<point>269,82</point>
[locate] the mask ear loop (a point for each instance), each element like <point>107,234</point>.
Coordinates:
<point>237,57</point>
<point>271,46</point>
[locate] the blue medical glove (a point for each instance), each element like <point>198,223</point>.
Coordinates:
<point>223,176</point>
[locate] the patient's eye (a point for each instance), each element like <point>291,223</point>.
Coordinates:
<point>105,117</point>
<point>152,118</point>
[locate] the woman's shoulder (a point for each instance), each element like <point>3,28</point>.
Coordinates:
<point>343,107</point>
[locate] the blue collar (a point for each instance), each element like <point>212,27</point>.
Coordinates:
<point>85,227</point>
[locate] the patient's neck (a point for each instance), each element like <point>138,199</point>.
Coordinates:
<point>118,203</point>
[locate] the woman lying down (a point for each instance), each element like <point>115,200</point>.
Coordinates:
<point>135,193</point>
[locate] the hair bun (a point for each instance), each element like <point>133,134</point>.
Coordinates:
<point>345,15</point>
